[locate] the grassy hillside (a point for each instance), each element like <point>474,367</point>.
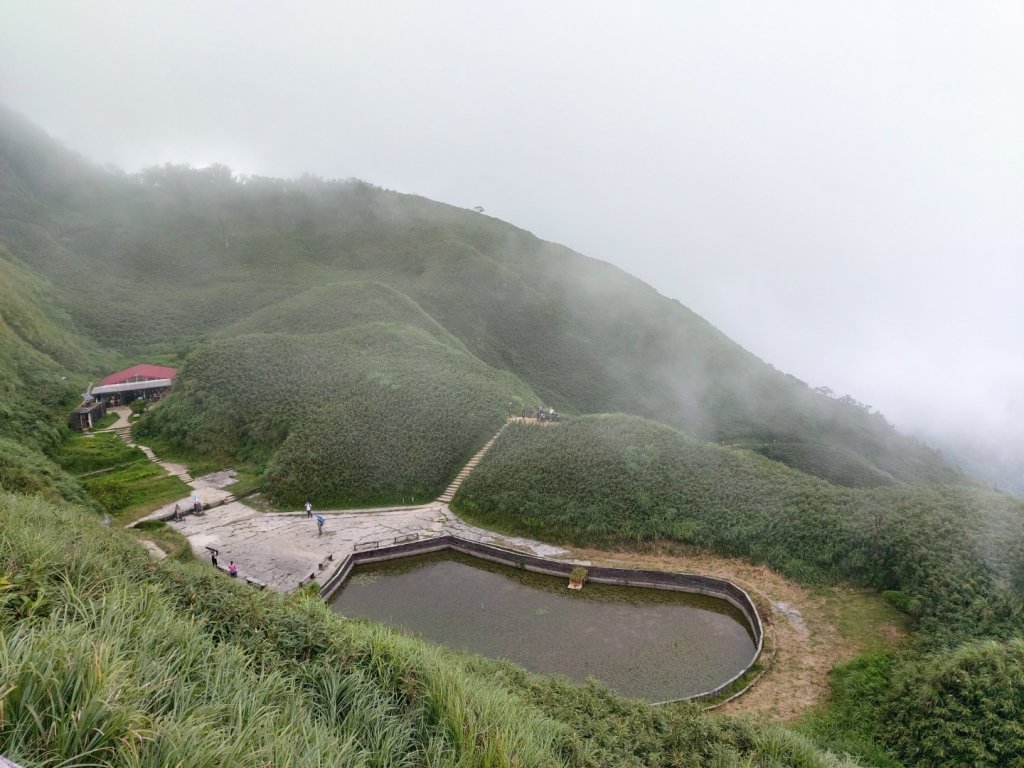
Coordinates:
<point>38,353</point>
<point>952,558</point>
<point>615,478</point>
<point>110,658</point>
<point>373,413</point>
<point>340,305</point>
<point>43,367</point>
<point>181,256</point>
<point>354,346</point>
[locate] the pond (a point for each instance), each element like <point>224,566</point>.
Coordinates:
<point>646,643</point>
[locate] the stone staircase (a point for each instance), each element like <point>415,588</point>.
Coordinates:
<point>175,470</point>
<point>452,489</point>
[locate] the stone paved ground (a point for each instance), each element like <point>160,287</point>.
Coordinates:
<point>206,495</point>
<point>221,479</point>
<point>283,548</point>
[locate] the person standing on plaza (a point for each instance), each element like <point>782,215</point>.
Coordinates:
<point>309,509</point>
<point>320,525</point>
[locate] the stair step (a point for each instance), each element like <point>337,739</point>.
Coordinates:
<point>452,489</point>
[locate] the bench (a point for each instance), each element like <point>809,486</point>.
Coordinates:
<point>323,563</point>
<point>366,545</point>
<point>407,537</point>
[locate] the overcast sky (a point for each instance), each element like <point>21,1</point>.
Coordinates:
<point>838,186</point>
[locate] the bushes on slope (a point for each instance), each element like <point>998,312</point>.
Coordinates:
<point>27,471</point>
<point>369,414</point>
<point>964,707</point>
<point>620,479</point>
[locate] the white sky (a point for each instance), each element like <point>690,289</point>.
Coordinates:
<point>839,186</point>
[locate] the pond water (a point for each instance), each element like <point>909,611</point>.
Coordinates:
<point>646,643</point>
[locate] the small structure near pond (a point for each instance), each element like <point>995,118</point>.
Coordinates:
<point>87,414</point>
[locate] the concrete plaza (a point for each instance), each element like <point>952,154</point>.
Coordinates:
<point>282,549</point>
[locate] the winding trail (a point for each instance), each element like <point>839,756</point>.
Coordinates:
<point>209,488</point>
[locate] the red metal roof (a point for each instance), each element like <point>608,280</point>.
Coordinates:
<point>140,373</point>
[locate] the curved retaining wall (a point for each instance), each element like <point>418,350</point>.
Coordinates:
<point>627,577</point>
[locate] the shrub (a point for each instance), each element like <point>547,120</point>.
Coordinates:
<point>959,707</point>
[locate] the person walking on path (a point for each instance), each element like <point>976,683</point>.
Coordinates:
<point>309,509</point>
<point>320,525</point>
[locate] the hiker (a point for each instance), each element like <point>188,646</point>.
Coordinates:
<point>232,570</point>
<point>320,525</point>
<point>309,509</point>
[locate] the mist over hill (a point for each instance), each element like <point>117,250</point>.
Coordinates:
<point>173,257</point>
<point>354,345</point>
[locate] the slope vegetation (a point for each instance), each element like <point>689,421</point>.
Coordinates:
<point>183,255</point>
<point>952,558</point>
<point>109,658</point>
<point>38,354</point>
<point>373,413</point>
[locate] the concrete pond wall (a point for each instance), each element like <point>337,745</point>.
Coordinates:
<point>626,577</point>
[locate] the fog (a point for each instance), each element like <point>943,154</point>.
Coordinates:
<point>839,187</point>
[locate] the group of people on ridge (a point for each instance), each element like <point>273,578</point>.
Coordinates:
<point>540,414</point>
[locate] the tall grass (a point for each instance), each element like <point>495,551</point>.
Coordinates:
<point>110,658</point>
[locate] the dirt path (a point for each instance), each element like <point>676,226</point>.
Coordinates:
<point>811,629</point>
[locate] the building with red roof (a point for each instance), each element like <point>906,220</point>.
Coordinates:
<point>144,381</point>
<point>142,372</point>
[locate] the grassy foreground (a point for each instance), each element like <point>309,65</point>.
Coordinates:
<point>110,658</point>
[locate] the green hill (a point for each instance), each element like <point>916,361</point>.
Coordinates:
<point>356,416</point>
<point>354,345</point>
<point>43,365</point>
<point>170,258</point>
<point>327,308</point>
